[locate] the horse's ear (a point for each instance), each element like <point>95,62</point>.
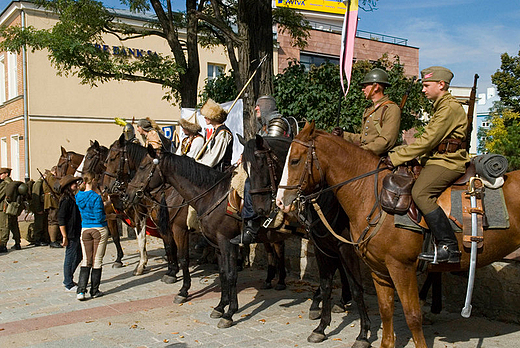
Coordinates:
<point>313,127</point>
<point>91,143</point>
<point>122,140</point>
<point>96,143</point>
<point>63,152</point>
<point>241,139</point>
<point>151,151</point>
<point>259,142</point>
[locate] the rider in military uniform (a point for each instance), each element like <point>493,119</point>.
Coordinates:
<point>381,120</point>
<point>129,132</point>
<point>193,142</point>
<point>7,222</point>
<point>442,146</point>
<point>272,124</point>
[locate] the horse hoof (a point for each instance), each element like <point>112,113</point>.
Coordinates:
<point>224,323</point>
<point>168,279</point>
<point>117,264</point>
<point>316,337</point>
<point>314,314</point>
<point>139,271</point>
<point>361,344</point>
<point>337,308</point>
<point>267,285</point>
<point>179,299</point>
<point>280,287</point>
<point>216,314</point>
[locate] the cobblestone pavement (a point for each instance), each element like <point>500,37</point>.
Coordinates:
<point>36,311</point>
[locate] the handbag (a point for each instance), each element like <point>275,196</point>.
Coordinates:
<point>396,194</point>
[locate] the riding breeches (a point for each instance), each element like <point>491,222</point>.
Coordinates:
<point>93,245</point>
<point>432,181</point>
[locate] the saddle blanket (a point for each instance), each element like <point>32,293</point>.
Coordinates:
<point>494,205</point>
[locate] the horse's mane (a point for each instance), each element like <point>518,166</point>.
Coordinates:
<point>199,174</point>
<point>279,145</point>
<point>136,152</point>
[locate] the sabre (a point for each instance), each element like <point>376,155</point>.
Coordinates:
<point>466,311</point>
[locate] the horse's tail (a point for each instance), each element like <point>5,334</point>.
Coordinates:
<point>164,218</point>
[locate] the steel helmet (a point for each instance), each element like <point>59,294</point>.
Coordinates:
<point>23,189</point>
<point>128,131</point>
<point>376,75</point>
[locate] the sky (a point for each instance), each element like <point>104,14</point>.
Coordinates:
<point>466,36</point>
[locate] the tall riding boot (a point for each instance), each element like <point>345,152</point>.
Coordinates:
<point>446,247</point>
<point>249,232</point>
<point>53,233</point>
<point>84,273</point>
<point>94,282</point>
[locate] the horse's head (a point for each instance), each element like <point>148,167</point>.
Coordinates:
<point>147,178</point>
<point>116,167</point>
<point>302,173</point>
<point>263,159</point>
<point>95,157</point>
<point>68,162</point>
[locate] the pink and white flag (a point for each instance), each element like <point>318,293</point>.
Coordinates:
<point>348,35</point>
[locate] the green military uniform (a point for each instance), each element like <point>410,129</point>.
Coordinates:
<point>40,217</point>
<point>50,204</point>
<point>7,222</point>
<point>380,128</point>
<point>449,121</point>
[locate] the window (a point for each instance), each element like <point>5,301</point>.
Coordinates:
<point>308,59</point>
<point>3,152</point>
<point>486,124</point>
<point>15,157</point>
<point>215,70</point>
<point>2,80</point>
<point>12,75</point>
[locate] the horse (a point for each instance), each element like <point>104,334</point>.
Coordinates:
<point>94,162</point>
<point>206,189</point>
<point>264,159</point>
<point>121,164</point>
<point>316,158</point>
<point>68,163</point>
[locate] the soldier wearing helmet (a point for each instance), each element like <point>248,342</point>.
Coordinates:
<point>129,132</point>
<point>381,120</point>
<point>271,122</point>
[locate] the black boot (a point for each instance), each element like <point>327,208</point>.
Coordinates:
<point>94,282</point>
<point>84,273</point>
<point>249,232</point>
<point>446,247</point>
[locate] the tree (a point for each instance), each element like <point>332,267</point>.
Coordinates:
<point>315,94</point>
<point>503,135</point>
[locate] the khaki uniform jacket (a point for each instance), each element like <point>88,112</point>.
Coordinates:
<point>3,189</point>
<point>49,201</point>
<point>449,121</point>
<point>380,127</point>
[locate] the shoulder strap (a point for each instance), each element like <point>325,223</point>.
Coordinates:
<point>379,125</point>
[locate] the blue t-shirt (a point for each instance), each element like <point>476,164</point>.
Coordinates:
<point>91,208</point>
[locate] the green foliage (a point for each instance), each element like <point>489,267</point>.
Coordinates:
<point>507,81</point>
<point>316,94</point>
<point>221,89</point>
<point>294,23</point>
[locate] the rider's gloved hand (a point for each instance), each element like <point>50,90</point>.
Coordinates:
<point>388,162</point>
<point>338,131</point>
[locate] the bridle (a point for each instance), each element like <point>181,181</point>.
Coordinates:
<point>69,163</point>
<point>123,172</point>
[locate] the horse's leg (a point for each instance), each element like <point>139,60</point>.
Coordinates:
<point>385,298</point>
<point>405,281</point>
<point>114,232</point>
<point>218,311</point>
<point>327,268</point>
<point>350,270</point>
<point>171,255</point>
<point>230,253</point>
<point>279,249</point>
<point>436,307</point>
<point>315,311</point>
<point>346,294</point>
<point>182,240</point>
<point>271,268</point>
<point>143,255</point>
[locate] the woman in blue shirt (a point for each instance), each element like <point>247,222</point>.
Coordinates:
<point>94,234</point>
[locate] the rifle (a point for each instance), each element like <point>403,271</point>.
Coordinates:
<point>50,187</point>
<point>407,93</point>
<point>471,109</point>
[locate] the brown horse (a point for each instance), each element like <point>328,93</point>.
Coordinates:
<point>68,163</point>
<point>317,157</point>
<point>94,162</point>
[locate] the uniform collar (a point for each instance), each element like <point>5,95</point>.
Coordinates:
<point>441,99</point>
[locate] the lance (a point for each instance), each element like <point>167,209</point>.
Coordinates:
<point>407,93</point>
<point>201,152</point>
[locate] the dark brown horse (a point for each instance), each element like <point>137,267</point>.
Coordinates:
<point>68,163</point>
<point>94,162</point>
<point>264,159</point>
<point>121,164</point>
<point>206,190</point>
<point>317,157</point>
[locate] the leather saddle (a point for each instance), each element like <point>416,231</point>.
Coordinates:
<point>235,204</point>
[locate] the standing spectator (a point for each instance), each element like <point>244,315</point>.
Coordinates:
<point>94,234</point>
<point>69,220</point>
<point>8,222</point>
